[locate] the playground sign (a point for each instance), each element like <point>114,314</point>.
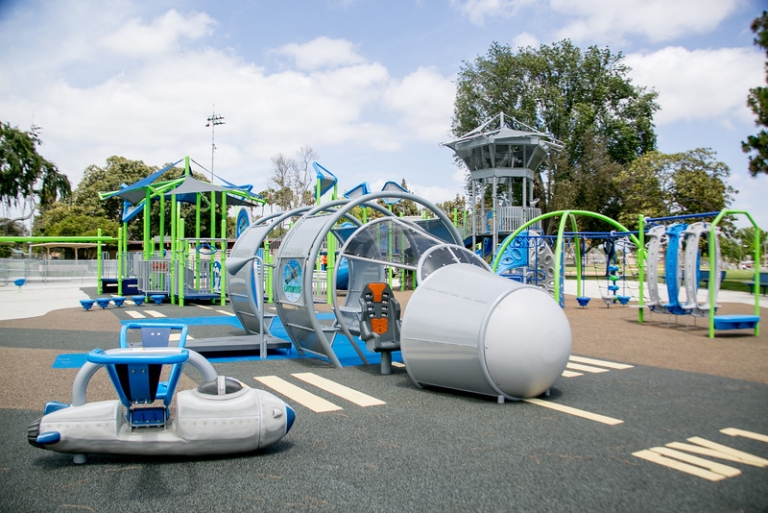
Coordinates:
<point>292,280</point>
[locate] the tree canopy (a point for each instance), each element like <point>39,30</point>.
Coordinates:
<point>27,180</point>
<point>660,185</point>
<point>87,212</point>
<point>563,91</point>
<point>757,100</point>
<point>583,98</point>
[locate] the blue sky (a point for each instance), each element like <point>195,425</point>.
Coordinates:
<point>368,84</point>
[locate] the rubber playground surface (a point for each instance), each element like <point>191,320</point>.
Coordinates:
<point>599,442</point>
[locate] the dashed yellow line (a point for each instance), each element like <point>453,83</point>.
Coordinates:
<point>575,411</point>
<point>350,394</point>
<point>601,363</point>
<point>301,396</point>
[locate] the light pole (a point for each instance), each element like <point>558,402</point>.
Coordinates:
<point>213,121</point>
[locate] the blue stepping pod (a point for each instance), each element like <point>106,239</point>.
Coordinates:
<point>103,302</point>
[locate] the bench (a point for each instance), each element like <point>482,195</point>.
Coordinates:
<point>704,277</point>
<point>763,284</point>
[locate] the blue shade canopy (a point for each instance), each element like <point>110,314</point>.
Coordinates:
<point>358,190</point>
<point>137,192</point>
<point>393,187</point>
<point>327,179</point>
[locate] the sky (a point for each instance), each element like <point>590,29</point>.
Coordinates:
<point>369,85</point>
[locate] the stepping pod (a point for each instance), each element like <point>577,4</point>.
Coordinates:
<point>87,303</point>
<point>103,302</point>
<point>137,300</point>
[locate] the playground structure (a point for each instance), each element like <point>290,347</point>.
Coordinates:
<point>682,264</point>
<point>136,424</point>
<point>500,156</point>
<point>434,252</point>
<point>181,266</point>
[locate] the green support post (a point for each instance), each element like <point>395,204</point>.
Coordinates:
<point>642,254</point>
<point>147,248</point>
<point>198,204</point>
<point>223,261</point>
<point>182,259</point>
<point>98,264</point>
<point>174,242</point>
<point>330,245</point>
<point>119,263</point>
<point>267,268</point>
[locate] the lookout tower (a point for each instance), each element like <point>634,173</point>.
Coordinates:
<point>505,159</point>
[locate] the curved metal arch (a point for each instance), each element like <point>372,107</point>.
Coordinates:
<point>344,207</point>
<point>559,244</point>
<point>341,322</point>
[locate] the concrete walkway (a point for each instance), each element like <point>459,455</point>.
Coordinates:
<point>38,299</point>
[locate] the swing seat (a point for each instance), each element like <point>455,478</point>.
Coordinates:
<point>736,322</point>
<point>583,301</point>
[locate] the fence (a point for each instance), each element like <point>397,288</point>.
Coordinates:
<point>47,270</point>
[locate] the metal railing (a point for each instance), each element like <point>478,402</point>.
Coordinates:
<point>48,270</point>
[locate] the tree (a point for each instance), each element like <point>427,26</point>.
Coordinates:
<point>458,204</point>
<point>9,228</point>
<point>574,95</point>
<point>107,213</point>
<point>757,100</point>
<point>659,185</point>
<point>26,178</point>
<point>294,179</point>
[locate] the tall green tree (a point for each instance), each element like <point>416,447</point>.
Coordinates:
<point>659,185</point>
<point>757,145</point>
<point>579,97</point>
<point>107,214</point>
<point>27,180</point>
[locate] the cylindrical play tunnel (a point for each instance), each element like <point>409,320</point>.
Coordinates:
<point>468,329</point>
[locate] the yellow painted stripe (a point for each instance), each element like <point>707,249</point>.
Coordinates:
<point>571,374</point>
<point>203,307</point>
<point>154,313</point>
<point>350,394</point>
<point>602,363</point>
<point>717,468</point>
<point>176,336</point>
<point>575,411</point>
<point>301,396</point>
<point>751,459</point>
<point>225,312</point>
<point>678,465</point>
<point>746,434</point>
<point>585,368</point>
<point>712,453</point>
<point>135,314</point>
<point>398,365</point>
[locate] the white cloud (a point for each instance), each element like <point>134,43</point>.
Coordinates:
<point>162,35</point>
<point>657,20</point>
<point>424,100</point>
<point>153,105</point>
<point>322,52</point>
<point>699,84</point>
<point>478,10</point>
<point>525,39</point>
